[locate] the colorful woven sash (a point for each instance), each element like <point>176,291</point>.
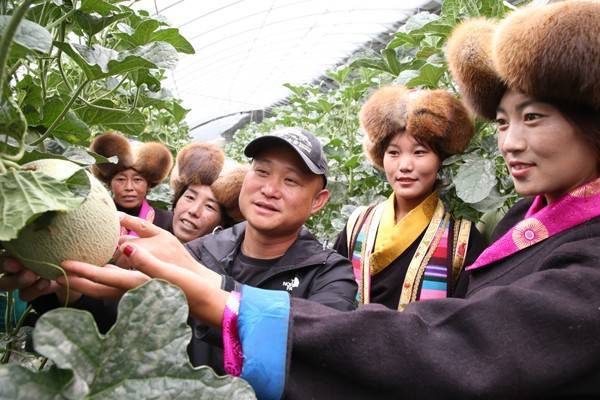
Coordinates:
<point>427,276</point>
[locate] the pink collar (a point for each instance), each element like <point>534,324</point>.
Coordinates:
<point>543,221</point>
<point>144,211</point>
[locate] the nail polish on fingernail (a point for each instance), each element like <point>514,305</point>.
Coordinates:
<point>128,250</point>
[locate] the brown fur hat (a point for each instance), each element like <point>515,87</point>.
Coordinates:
<point>227,189</point>
<point>550,52</point>
<point>434,116</point>
<point>152,160</point>
<point>205,164</point>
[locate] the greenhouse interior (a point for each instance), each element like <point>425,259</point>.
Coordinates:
<point>299,199</point>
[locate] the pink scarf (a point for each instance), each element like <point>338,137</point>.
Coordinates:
<point>544,221</point>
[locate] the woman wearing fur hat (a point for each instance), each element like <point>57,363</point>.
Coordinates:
<point>207,188</point>
<point>409,248</point>
<point>137,171</point>
<point>529,324</point>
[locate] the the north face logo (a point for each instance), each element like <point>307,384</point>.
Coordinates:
<point>293,283</point>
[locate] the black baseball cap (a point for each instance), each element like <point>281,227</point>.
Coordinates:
<point>303,142</point>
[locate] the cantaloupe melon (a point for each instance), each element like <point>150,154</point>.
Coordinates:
<point>89,233</point>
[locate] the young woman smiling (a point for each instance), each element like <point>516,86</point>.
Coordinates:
<point>207,188</point>
<point>409,248</point>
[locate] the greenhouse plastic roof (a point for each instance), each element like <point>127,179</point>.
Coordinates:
<point>246,49</point>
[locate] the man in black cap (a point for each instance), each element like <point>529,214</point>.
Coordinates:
<point>286,184</point>
<point>272,249</point>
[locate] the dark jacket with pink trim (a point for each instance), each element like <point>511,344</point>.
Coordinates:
<point>529,328</point>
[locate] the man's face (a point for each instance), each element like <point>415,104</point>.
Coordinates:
<point>279,193</point>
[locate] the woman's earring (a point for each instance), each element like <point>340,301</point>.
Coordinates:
<point>217,229</point>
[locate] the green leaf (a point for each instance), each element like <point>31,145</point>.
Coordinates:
<point>33,93</point>
<point>475,180</point>
<point>160,101</point>
<point>172,36</point>
<point>29,34</point>
<point>411,40</point>
<point>143,76</point>
<point>28,384</point>
<point>374,63</point>
<point>429,76</point>
<point>71,127</point>
<point>406,76</point>
<point>143,32</point>
<point>450,10</point>
<point>391,59</point>
<point>25,195</point>
<point>12,120</point>
<point>418,20</point>
<point>129,122</point>
<point>97,6</point>
<point>91,24</point>
<point>119,364</point>
<point>99,62</point>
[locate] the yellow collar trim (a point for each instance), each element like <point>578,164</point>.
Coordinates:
<point>393,239</point>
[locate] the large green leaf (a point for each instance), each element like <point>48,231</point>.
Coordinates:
<point>25,195</point>
<point>29,34</point>
<point>70,128</point>
<point>46,385</point>
<point>99,62</point>
<point>172,36</point>
<point>475,180</point>
<point>129,122</point>
<point>143,356</point>
<point>143,32</point>
<point>101,7</point>
<point>92,24</point>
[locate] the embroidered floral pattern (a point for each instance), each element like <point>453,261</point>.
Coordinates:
<point>590,189</point>
<point>529,232</point>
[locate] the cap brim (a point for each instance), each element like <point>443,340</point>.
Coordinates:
<point>264,142</point>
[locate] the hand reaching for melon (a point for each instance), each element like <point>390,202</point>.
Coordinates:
<point>29,284</point>
<point>205,299</point>
<point>162,244</point>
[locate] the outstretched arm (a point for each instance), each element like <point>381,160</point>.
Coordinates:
<point>205,299</point>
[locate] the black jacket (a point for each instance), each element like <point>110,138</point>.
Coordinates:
<point>529,328</point>
<point>323,276</point>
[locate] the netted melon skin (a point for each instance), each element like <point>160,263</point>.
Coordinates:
<point>89,233</point>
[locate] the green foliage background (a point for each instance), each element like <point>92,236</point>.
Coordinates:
<point>474,183</point>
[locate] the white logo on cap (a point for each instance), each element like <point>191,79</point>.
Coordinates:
<point>297,139</point>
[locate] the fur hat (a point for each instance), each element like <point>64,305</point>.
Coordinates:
<point>205,164</point>
<point>152,160</point>
<point>434,116</point>
<point>550,52</point>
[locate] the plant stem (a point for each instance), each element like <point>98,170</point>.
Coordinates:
<point>19,154</point>
<point>9,34</point>
<point>61,115</point>
<point>111,91</point>
<point>61,19</point>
